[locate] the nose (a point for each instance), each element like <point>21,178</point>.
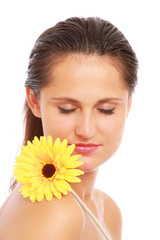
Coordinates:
<point>85,126</point>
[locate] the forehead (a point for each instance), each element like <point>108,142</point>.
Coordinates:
<point>82,75</point>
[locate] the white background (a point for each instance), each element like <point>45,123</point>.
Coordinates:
<point>132,176</point>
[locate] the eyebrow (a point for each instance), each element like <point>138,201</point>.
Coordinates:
<point>65,99</point>
<point>104,100</point>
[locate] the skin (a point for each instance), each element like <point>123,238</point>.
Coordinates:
<point>93,92</point>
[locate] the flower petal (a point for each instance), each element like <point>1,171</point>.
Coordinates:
<point>30,174</point>
<point>21,179</point>
<point>40,189</point>
<point>36,142</point>
<point>65,185</point>
<point>72,164</point>
<point>24,189</point>
<point>39,196</point>
<point>49,142</point>
<point>46,188</point>
<point>57,161</point>
<point>49,195</point>
<point>36,181</point>
<point>55,192</point>
<point>26,195</point>
<point>75,157</point>
<point>43,140</point>
<point>72,179</point>
<point>63,147</point>
<point>63,158</point>
<point>33,196</point>
<point>73,172</point>
<point>60,187</point>
<point>56,146</point>
<point>31,160</point>
<point>28,167</point>
<point>70,149</point>
<point>26,151</point>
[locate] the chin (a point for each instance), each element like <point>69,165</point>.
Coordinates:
<point>89,164</point>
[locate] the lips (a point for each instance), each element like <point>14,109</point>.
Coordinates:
<point>83,148</point>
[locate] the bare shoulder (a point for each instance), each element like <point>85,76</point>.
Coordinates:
<point>112,214</point>
<point>57,219</point>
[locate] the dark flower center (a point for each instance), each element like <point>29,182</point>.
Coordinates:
<point>48,170</point>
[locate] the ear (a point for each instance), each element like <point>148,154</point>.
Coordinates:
<point>129,104</point>
<point>33,102</point>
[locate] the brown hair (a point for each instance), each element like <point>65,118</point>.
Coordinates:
<point>75,35</point>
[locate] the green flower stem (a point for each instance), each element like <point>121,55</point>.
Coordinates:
<point>91,215</point>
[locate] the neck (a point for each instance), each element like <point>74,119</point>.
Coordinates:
<point>85,187</point>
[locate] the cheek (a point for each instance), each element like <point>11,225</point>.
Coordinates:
<point>113,132</point>
<point>57,126</point>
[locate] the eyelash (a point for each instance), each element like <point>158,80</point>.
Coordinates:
<point>66,111</point>
<point>104,111</point>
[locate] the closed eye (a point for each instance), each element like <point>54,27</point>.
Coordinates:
<point>106,111</point>
<point>66,111</point>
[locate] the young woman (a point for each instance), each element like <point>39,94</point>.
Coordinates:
<point>81,76</point>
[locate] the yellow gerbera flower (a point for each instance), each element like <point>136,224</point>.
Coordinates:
<point>45,169</point>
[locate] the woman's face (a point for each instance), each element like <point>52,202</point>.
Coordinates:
<point>86,103</point>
